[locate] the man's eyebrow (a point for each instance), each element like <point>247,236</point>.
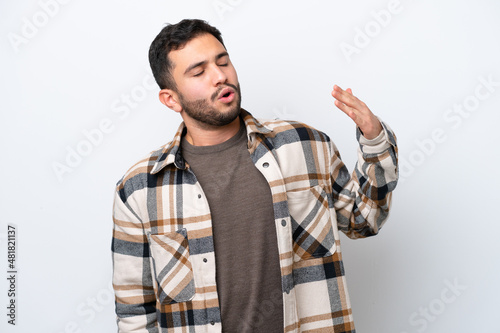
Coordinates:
<point>221,55</point>
<point>194,66</point>
<point>201,63</point>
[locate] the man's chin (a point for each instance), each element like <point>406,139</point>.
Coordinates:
<point>227,117</point>
<point>214,115</point>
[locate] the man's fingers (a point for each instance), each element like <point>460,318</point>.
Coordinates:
<point>346,97</point>
<point>346,109</point>
<point>343,100</point>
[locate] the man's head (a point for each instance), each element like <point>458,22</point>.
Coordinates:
<point>192,67</point>
<point>174,37</point>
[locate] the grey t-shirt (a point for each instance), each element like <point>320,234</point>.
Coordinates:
<point>246,250</point>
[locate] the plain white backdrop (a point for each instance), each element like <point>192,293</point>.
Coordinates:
<point>79,107</point>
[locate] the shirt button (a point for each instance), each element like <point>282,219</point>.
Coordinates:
<point>199,196</point>
<point>283,223</point>
<point>212,323</point>
<point>205,259</point>
<point>265,165</point>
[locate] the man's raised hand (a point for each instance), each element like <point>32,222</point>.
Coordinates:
<point>358,111</point>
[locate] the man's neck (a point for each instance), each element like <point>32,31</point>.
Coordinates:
<point>199,135</point>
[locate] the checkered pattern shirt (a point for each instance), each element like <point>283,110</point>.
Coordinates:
<point>164,272</point>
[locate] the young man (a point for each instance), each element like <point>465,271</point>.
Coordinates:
<point>233,225</point>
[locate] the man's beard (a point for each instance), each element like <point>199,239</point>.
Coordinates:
<point>207,115</point>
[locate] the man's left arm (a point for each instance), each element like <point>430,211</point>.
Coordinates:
<point>362,200</point>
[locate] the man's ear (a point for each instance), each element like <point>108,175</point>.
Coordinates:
<point>170,99</point>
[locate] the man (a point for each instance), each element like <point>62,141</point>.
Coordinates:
<point>233,225</point>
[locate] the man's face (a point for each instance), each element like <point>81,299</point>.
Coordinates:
<point>207,84</point>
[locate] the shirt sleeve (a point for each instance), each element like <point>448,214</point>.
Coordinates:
<point>132,280</point>
<point>362,199</point>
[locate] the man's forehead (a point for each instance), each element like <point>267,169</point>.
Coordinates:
<point>200,48</point>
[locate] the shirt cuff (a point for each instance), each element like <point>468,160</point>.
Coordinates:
<point>371,142</point>
<point>377,145</point>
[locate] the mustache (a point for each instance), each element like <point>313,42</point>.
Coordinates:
<point>217,92</point>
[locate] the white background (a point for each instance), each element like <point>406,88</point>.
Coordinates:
<point>68,68</point>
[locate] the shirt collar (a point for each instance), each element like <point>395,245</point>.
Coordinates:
<point>171,153</point>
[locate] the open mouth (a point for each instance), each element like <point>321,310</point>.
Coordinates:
<point>226,95</point>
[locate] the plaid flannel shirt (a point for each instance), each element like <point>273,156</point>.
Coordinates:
<point>164,272</point>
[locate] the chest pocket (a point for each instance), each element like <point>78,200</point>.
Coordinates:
<point>313,236</point>
<point>171,267</point>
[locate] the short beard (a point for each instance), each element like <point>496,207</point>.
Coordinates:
<point>208,116</point>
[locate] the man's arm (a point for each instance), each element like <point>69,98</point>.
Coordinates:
<point>132,280</point>
<point>362,200</point>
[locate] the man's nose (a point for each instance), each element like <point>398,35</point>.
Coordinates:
<point>219,76</point>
